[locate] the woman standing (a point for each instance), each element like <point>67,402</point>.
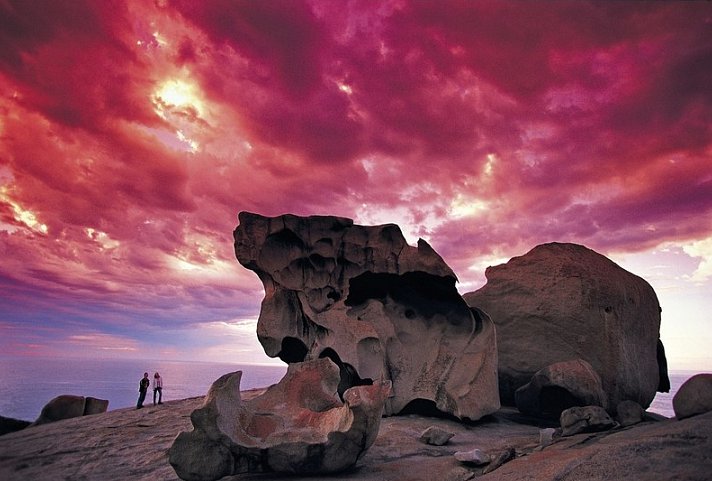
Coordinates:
<point>157,388</point>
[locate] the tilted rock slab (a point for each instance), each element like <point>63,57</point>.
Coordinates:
<point>380,308</point>
<point>564,301</point>
<point>297,426</point>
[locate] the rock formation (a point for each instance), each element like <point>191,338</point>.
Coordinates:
<point>69,406</point>
<point>376,306</point>
<point>694,396</point>
<point>585,419</point>
<point>564,301</point>
<point>558,387</point>
<point>297,426</point>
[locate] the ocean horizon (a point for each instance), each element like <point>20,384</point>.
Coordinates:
<point>26,385</point>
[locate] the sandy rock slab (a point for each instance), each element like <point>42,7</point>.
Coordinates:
<point>133,444</point>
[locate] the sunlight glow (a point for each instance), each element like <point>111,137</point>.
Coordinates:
<point>24,216</point>
<point>177,93</point>
<point>701,249</point>
<point>464,207</point>
<point>102,238</point>
<point>489,165</point>
<point>191,144</point>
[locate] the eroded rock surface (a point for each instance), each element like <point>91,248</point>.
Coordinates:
<point>564,301</point>
<point>297,426</point>
<point>376,306</point>
<point>558,387</point>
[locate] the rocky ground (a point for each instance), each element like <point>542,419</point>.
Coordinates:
<point>132,444</point>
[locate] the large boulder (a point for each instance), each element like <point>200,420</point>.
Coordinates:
<point>378,307</point>
<point>564,301</point>
<point>694,396</point>
<point>299,425</point>
<point>68,406</point>
<point>560,386</point>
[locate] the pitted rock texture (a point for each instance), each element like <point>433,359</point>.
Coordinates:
<point>564,301</point>
<point>297,426</point>
<point>378,307</point>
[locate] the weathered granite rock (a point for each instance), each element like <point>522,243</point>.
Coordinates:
<point>546,436</point>
<point>585,419</point>
<point>693,397</point>
<point>560,386</point>
<point>379,308</point>
<point>564,301</point>
<point>474,456</point>
<point>299,425</point>
<point>629,413</point>
<point>68,406</point>
<point>435,436</point>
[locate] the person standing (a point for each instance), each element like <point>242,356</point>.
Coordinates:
<point>157,388</point>
<point>142,388</point>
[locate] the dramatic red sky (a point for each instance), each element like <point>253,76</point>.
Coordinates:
<point>133,132</point>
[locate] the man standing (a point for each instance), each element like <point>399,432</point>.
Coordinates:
<point>142,388</point>
<point>157,388</point>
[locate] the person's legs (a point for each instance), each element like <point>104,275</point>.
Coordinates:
<point>141,398</point>
<point>160,395</point>
<point>154,396</point>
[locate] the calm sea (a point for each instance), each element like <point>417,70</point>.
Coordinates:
<point>26,385</point>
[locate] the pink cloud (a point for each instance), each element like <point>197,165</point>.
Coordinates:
<point>132,133</point>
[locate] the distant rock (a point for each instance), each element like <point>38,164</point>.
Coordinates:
<point>585,419</point>
<point>68,406</point>
<point>376,306</point>
<point>560,386</point>
<point>564,301</point>
<point>299,425</point>
<point>694,396</point>
<point>10,425</point>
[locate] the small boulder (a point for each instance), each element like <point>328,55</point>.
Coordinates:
<point>436,436</point>
<point>694,396</point>
<point>546,436</point>
<point>560,386</point>
<point>585,419</point>
<point>474,456</point>
<point>629,413</point>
